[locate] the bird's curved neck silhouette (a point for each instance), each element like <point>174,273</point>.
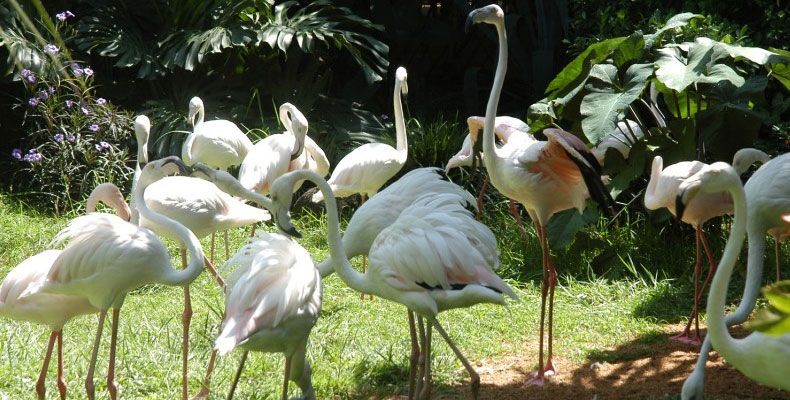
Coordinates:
<point>493,157</point>
<point>400,124</point>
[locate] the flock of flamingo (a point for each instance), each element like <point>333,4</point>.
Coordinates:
<point>426,249</point>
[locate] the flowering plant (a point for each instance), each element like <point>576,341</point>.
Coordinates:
<point>75,141</point>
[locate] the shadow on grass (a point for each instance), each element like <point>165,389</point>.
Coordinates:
<point>668,303</point>
<point>648,367</point>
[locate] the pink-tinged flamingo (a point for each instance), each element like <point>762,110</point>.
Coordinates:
<point>218,143</point>
<point>661,192</point>
<point>106,257</point>
<point>21,300</point>
<point>545,177</point>
<point>768,210</point>
<point>435,256</point>
<point>368,167</point>
<point>273,301</point>
<point>766,201</point>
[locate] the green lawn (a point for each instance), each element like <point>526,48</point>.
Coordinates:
<point>359,348</point>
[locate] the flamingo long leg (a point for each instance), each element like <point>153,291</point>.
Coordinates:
<point>517,216</point>
<point>473,375</point>
<point>712,263</point>
<point>227,248</point>
<point>186,318</point>
<point>204,391</point>
<point>778,255</point>
<point>41,389</point>
<point>685,336</point>
<point>112,385</point>
<point>90,389</point>
<point>539,379</point>
<point>415,353</point>
<point>286,376</point>
<point>213,271</point>
<point>552,283</point>
<point>238,374</point>
<point>61,379</point>
<point>480,195</point>
<point>421,358</point>
<point>212,245</point>
<point>426,390</point>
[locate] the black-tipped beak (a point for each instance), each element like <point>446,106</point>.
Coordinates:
<point>204,169</point>
<point>182,168</point>
<point>298,151</point>
<point>680,206</point>
<point>292,232</point>
<point>470,20</point>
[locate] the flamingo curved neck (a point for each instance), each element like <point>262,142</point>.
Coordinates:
<point>172,228</point>
<point>400,124</point>
<point>142,159</point>
<point>717,328</point>
<point>200,115</point>
<point>493,157</point>
<point>355,280</point>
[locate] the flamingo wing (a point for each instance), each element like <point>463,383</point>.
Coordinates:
<point>276,281</point>
<point>437,244</point>
<point>365,169</point>
<point>316,158</point>
<point>269,158</point>
<point>218,143</point>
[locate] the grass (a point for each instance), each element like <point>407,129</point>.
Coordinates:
<point>611,292</point>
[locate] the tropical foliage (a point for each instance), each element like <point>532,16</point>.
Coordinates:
<point>774,319</point>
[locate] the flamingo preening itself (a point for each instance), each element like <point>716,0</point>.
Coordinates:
<point>661,193</point>
<point>761,357</point>
<point>544,176</point>
<point>218,143</point>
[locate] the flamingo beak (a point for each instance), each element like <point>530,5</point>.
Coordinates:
<point>470,20</point>
<point>183,170</point>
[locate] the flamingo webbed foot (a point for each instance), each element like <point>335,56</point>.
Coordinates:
<point>201,395</point>
<point>687,338</point>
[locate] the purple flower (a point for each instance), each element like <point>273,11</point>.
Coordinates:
<point>76,70</point>
<point>51,89</point>
<point>33,102</point>
<point>42,95</point>
<point>70,138</point>
<point>84,110</point>
<point>93,128</point>
<point>88,71</point>
<point>69,14</point>
<point>101,101</point>
<point>385,117</point>
<point>16,153</point>
<point>64,15</point>
<point>101,146</point>
<point>51,49</point>
<point>28,75</point>
<point>32,156</point>
<point>69,103</point>
<point>58,137</point>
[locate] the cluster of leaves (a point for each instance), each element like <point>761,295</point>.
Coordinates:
<point>693,100</point>
<point>774,319</point>
<point>75,140</point>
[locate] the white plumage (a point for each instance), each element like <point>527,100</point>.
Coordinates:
<point>505,128</point>
<point>368,167</point>
<point>217,143</point>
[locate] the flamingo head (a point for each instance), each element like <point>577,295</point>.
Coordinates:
<point>142,130</point>
<point>195,108</point>
<point>490,14</point>
<point>400,78</point>
<point>744,158</point>
<point>282,195</point>
<point>296,123</point>
<point>714,178</point>
<point>462,158</point>
<point>110,195</point>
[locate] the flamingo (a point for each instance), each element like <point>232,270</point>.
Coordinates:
<point>368,167</point>
<point>762,358</point>
<point>203,209</point>
<point>764,216</point>
<point>218,143</point>
<point>273,301</point>
<point>106,257</point>
<point>20,300</point>
<point>661,192</point>
<point>280,153</point>
<point>545,177</point>
<point>433,258</point>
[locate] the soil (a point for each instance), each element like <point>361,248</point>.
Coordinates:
<point>647,368</point>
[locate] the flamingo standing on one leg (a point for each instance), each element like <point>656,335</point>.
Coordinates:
<point>20,300</point>
<point>766,213</point>
<point>661,192</point>
<point>107,257</point>
<point>434,257</point>
<point>545,177</point>
<point>764,204</point>
<point>273,301</point>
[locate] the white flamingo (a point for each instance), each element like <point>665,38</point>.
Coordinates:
<point>218,143</point>
<point>281,153</point>
<point>21,300</point>
<point>273,301</point>
<point>661,192</point>
<point>434,257</point>
<point>545,177</point>
<point>106,257</point>
<point>766,212</point>
<point>760,357</point>
<point>368,167</point>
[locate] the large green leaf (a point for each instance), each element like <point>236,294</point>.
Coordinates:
<point>541,115</point>
<point>603,106</point>
<point>775,318</point>
<point>564,225</point>
<point>676,21</point>
<point>573,76</point>
<point>677,71</point>
<point>756,55</point>
<point>781,70</point>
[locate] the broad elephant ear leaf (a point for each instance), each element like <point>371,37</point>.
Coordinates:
<point>677,21</point>
<point>572,78</point>
<point>677,71</point>
<point>563,226</point>
<point>603,106</point>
